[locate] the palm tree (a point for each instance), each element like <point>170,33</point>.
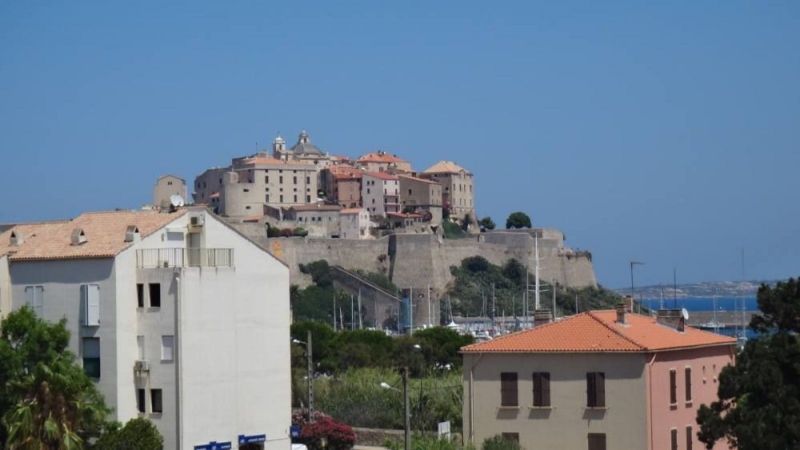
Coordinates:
<point>59,409</point>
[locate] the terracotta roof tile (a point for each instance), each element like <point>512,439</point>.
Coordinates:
<point>105,235</point>
<point>381,175</point>
<point>445,167</point>
<point>597,331</point>
<point>380,157</point>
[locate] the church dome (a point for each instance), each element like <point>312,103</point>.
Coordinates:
<point>305,147</point>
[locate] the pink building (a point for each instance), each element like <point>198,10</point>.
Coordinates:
<point>596,380</point>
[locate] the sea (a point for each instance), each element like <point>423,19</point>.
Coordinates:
<point>723,304</point>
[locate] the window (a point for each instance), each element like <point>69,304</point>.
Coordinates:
<point>167,347</point>
<point>673,438</point>
<point>511,437</point>
<point>90,305</point>
<point>308,180</point>
<point>541,389</point>
<point>689,438</point>
<point>140,295</point>
<point>140,347</point>
<point>281,198</point>
<point>156,403</point>
<point>91,356</point>
<point>34,297</point>
<point>155,295</point>
<point>280,179</point>
<point>140,395</point>
<point>246,190</point>
<point>294,180</point>
<point>409,192</point>
<point>673,387</point>
<point>295,198</point>
<point>596,390</point>
<point>266,179</point>
<point>597,441</point>
<point>308,199</point>
<point>688,376</point>
<point>508,389</point>
<point>267,198</point>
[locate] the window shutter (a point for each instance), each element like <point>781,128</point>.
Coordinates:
<point>673,439</point>
<point>600,388</point>
<point>93,303</point>
<point>537,389</point>
<point>508,389</point>
<point>545,381</point>
<point>673,387</point>
<point>689,440</point>
<point>688,374</point>
<point>591,394</point>
<point>597,441</point>
<point>38,300</point>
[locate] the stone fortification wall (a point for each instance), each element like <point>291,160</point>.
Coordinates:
<point>420,261</point>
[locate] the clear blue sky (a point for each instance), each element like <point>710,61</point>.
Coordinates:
<point>664,132</point>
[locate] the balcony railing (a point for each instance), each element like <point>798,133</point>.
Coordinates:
<point>184,257</point>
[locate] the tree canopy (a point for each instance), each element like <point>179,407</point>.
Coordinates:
<point>759,397</point>
<point>46,401</point>
<point>518,220</point>
<point>487,223</point>
<point>137,434</point>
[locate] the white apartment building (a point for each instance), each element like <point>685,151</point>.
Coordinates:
<point>354,223</point>
<point>177,316</point>
<point>380,193</point>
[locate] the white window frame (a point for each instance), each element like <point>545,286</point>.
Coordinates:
<point>167,347</point>
<point>36,302</point>
<point>90,305</point>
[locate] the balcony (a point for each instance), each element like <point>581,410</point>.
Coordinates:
<point>150,258</point>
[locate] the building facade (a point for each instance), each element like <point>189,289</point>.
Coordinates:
<point>457,188</point>
<point>176,316</point>
<point>288,177</point>
<point>380,193</point>
<point>596,380</point>
<point>381,161</point>
<point>166,187</point>
<point>355,224</point>
<point>420,194</point>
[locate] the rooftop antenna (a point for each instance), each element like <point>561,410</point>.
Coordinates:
<point>675,287</point>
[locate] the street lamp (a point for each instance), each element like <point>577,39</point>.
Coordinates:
<point>310,376</point>
<point>406,401</point>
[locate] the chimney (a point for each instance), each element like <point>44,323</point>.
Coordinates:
<point>16,239</point>
<point>628,303</point>
<point>132,234</point>
<point>672,318</point>
<point>621,310</point>
<point>78,237</point>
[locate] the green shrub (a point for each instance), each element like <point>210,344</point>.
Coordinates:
<point>137,434</point>
<point>452,230</point>
<point>498,442</point>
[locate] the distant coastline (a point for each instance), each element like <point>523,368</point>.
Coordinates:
<point>708,289</point>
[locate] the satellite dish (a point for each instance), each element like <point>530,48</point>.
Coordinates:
<point>176,201</point>
<point>685,314</point>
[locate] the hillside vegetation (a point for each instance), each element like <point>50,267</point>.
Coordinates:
<point>477,280</point>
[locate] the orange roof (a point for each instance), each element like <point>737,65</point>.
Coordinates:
<point>445,167</point>
<point>381,175</point>
<point>598,331</point>
<point>380,157</point>
<point>105,235</point>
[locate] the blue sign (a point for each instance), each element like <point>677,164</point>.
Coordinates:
<point>214,445</point>
<point>254,439</point>
<point>294,431</point>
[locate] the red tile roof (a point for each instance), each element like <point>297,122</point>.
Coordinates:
<point>380,157</point>
<point>105,235</point>
<point>381,175</point>
<point>598,331</point>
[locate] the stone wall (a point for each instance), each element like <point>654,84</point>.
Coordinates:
<point>420,261</point>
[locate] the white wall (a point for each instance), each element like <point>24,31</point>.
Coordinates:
<point>234,340</point>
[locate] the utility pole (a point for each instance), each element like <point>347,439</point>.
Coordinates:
<point>536,274</point>
<point>407,408</point>
<point>310,378</point>
<point>633,295</point>
<point>360,323</point>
